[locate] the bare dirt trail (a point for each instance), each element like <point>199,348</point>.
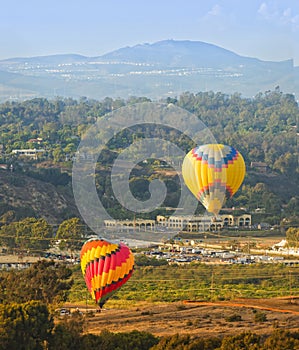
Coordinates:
<point>201,318</point>
<point>284,305</point>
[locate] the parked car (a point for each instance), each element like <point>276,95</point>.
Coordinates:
<point>64,312</point>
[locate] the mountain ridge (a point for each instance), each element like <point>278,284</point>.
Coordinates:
<point>73,57</point>
<point>170,49</point>
<point>163,68</point>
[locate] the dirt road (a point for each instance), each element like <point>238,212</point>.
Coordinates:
<point>201,318</point>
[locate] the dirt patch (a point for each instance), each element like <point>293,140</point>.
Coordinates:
<point>21,258</point>
<point>204,318</point>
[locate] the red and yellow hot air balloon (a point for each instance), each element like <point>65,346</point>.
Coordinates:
<point>213,173</point>
<point>106,267</point>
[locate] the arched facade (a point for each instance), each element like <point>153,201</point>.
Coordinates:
<point>203,223</point>
<point>127,225</point>
<point>182,223</point>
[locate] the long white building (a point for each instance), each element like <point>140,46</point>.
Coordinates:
<point>200,223</point>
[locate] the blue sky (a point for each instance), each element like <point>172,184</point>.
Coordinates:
<point>268,30</point>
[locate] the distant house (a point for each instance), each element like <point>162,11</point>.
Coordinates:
<point>37,140</point>
<point>259,166</point>
<point>30,153</point>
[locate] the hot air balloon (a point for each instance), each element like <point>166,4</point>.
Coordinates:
<point>106,267</point>
<point>213,173</point>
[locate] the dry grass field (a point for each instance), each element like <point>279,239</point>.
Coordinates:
<point>200,318</point>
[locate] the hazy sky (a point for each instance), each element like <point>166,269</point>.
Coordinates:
<point>267,29</point>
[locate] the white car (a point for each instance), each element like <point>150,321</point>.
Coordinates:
<point>64,312</point>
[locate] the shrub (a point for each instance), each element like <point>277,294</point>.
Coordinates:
<point>233,318</point>
<point>260,317</point>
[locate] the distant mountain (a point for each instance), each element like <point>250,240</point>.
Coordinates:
<point>177,54</point>
<point>164,68</point>
<point>52,59</point>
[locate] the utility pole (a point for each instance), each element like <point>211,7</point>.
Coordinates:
<point>134,224</point>
<point>212,285</point>
<point>290,287</point>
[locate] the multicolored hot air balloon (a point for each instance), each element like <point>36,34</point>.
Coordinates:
<point>106,267</point>
<point>213,173</point>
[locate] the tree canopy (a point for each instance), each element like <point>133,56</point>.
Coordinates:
<point>44,281</point>
<point>262,128</point>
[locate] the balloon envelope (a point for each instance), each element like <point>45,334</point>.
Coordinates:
<point>213,173</point>
<point>106,267</point>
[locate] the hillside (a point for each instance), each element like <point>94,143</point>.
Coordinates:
<point>24,196</point>
<point>263,129</point>
<point>277,183</point>
<point>165,68</point>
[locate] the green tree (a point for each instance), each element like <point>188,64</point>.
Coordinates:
<point>58,154</point>
<point>30,233</point>
<point>49,131</point>
<point>281,339</point>
<point>67,334</point>
<point>71,233</point>
<point>292,208</point>
<point>260,317</point>
<point>46,281</point>
<point>243,341</point>
<point>8,235</point>
<point>40,234</point>
<point>134,340</point>
<point>186,342</point>
<point>173,342</point>
<point>143,260</point>
<point>292,236</point>
<point>287,164</point>
<point>24,326</point>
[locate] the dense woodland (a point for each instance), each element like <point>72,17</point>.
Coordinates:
<point>36,236</point>
<point>263,129</point>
